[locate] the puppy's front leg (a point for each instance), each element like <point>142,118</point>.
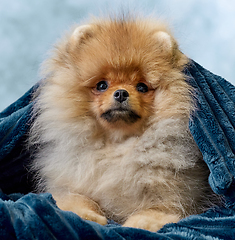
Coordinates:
<point>150,219</point>
<point>81,205</point>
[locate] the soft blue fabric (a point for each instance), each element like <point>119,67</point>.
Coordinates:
<point>36,216</point>
<point>14,123</point>
<point>212,126</point>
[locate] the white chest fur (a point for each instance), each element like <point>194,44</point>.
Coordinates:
<point>124,177</point>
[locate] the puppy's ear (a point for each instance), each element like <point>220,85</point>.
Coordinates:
<point>81,34</point>
<point>164,40</point>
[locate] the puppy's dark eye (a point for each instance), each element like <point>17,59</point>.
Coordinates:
<point>102,86</point>
<point>141,87</point>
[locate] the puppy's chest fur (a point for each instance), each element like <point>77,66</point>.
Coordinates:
<point>159,168</point>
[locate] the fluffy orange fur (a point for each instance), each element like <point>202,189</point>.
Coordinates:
<point>111,126</point>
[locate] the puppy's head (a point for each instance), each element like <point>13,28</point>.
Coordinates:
<point>114,70</point>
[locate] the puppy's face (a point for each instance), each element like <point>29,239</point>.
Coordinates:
<point>119,73</point>
<point>122,101</point>
<point>117,62</point>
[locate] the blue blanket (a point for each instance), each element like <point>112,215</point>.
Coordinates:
<point>36,216</point>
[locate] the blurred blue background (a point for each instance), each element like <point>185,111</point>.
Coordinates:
<point>205,30</point>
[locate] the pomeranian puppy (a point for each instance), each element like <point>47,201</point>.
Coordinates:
<point>111,128</point>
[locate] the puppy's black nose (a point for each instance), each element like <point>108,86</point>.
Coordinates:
<point>121,95</point>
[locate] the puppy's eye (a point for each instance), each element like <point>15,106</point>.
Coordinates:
<point>141,87</point>
<point>102,86</point>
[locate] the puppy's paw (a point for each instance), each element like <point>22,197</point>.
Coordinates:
<point>143,222</point>
<point>151,220</point>
<point>90,215</point>
<point>82,206</point>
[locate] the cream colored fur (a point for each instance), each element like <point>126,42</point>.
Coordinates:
<point>144,179</point>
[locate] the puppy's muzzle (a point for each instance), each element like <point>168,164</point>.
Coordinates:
<point>121,110</point>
